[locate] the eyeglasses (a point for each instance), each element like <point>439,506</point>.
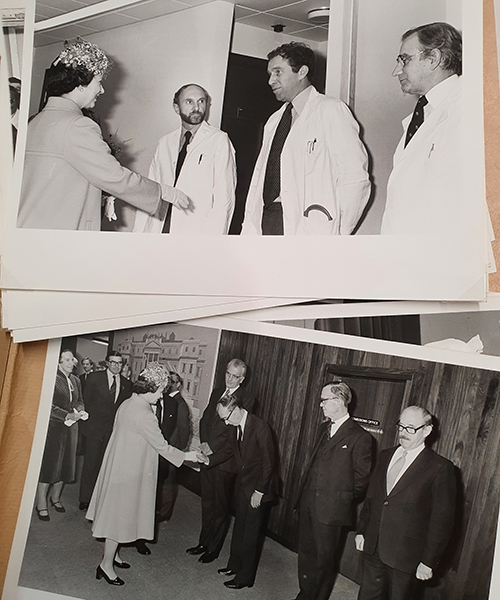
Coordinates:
<point>115,362</point>
<point>409,429</point>
<point>405,59</point>
<point>233,376</point>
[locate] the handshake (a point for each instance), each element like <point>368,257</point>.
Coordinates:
<point>200,455</point>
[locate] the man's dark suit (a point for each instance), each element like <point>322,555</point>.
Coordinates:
<point>217,479</point>
<point>175,424</point>
<point>255,459</point>
<point>101,406</point>
<point>336,478</point>
<point>83,378</point>
<point>409,526</point>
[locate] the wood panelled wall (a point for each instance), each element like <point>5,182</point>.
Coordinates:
<point>287,377</point>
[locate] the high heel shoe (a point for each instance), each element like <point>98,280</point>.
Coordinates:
<point>121,565</point>
<point>100,573</point>
<point>40,516</point>
<point>60,508</point>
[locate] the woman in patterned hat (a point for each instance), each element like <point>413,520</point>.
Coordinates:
<point>67,163</point>
<point>123,503</point>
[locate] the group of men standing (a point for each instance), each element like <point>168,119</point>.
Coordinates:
<point>311,176</point>
<point>405,522</point>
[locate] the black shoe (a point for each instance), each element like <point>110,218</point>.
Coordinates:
<point>42,517</point>
<point>58,506</point>
<point>121,565</point>
<point>142,548</point>
<point>226,571</point>
<point>83,505</point>
<point>233,585</point>
<point>199,549</point>
<point>100,573</point>
<point>208,557</point>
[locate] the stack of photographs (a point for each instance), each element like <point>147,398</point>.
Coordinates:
<point>249,297</point>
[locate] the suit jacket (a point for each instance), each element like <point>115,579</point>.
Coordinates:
<point>338,472</point>
<point>67,164</point>
<point>176,421</point>
<point>217,434</point>
<point>100,404</point>
<point>83,379</point>
<point>414,522</point>
<point>324,171</point>
<point>255,459</point>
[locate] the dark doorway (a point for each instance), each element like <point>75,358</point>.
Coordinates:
<point>248,103</point>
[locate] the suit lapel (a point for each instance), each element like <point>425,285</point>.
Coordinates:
<point>412,472</point>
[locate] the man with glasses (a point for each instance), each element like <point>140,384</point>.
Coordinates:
<point>425,189</point>
<point>218,477</point>
<point>103,393</point>
<point>335,479</point>
<point>408,515</point>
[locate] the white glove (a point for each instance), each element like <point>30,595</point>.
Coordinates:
<point>109,209</point>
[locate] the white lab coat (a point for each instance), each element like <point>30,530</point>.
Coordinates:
<point>207,177</point>
<point>324,178</point>
<point>425,190</point>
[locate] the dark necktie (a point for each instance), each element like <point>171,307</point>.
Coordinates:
<point>112,389</point>
<point>180,161</point>
<point>182,155</point>
<point>417,119</point>
<point>158,411</point>
<point>239,436</point>
<point>272,178</point>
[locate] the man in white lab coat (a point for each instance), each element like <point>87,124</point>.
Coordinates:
<point>425,193</point>
<point>311,174</point>
<point>199,160</point>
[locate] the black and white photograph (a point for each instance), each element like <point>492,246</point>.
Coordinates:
<point>316,465</point>
<point>316,127</point>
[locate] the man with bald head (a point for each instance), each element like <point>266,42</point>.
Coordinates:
<point>408,515</point>
<point>335,479</point>
<point>199,160</point>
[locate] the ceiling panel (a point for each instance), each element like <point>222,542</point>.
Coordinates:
<point>257,13</point>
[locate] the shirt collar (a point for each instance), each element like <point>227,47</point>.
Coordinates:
<point>339,422</point>
<point>243,421</point>
<point>300,100</point>
<point>436,95</point>
<point>411,454</point>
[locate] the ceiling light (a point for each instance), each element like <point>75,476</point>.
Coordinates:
<point>320,15</point>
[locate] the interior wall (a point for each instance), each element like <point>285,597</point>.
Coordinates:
<point>379,103</point>
<point>153,59</point>
<point>286,376</point>
<point>251,41</point>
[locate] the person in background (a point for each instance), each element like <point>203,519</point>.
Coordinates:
<point>59,456</point>
<point>103,394</point>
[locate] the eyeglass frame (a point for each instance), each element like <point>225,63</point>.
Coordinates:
<point>404,60</point>
<point>414,430</point>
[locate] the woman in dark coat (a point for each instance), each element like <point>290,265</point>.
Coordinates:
<point>59,457</point>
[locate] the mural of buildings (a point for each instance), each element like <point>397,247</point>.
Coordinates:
<point>186,357</point>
